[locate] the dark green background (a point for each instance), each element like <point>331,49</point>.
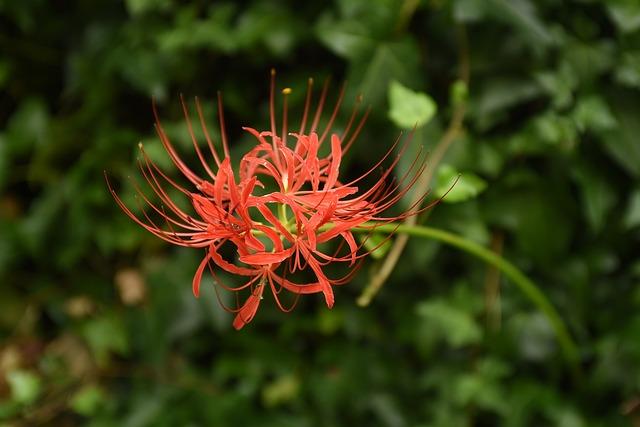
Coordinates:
<point>552,126</point>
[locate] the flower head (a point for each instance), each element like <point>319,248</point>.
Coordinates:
<point>279,215</point>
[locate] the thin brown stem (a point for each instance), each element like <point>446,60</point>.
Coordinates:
<point>492,287</point>
<point>453,130</point>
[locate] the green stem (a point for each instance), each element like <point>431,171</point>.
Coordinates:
<point>282,213</point>
<point>526,285</point>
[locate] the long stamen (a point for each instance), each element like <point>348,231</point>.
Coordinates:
<point>307,104</point>
<point>206,133</point>
<point>320,107</point>
<point>354,113</point>
<point>194,140</point>
<point>285,95</point>
<point>272,118</point>
<point>334,114</point>
<point>272,107</point>
<point>223,131</point>
<point>195,179</point>
<point>356,132</point>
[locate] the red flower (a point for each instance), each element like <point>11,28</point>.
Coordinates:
<point>281,212</point>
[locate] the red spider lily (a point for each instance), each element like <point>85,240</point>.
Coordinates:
<point>279,232</point>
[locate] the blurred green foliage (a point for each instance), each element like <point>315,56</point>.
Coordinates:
<point>97,320</point>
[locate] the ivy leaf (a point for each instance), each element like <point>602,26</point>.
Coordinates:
<point>628,70</point>
<point>598,194</point>
<point>625,14</point>
<point>139,7</point>
<point>456,325</point>
<point>348,39</point>
<point>555,129</point>
<point>621,142</point>
<point>409,109</point>
<point>523,16</point>
<point>632,213</point>
<point>87,400</point>
<point>469,10</point>
<point>499,95</point>
<point>455,187</point>
<point>25,386</point>
<point>281,390</point>
<point>593,113</point>
<point>482,386</point>
<point>106,334</point>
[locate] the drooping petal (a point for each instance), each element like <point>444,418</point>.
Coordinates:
<point>324,283</point>
<point>197,278</point>
<point>248,311</point>
<point>353,247</point>
<point>227,266</point>
<point>265,258</point>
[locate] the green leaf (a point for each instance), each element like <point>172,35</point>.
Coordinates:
<point>628,70</point>
<point>625,13</point>
<point>499,95</point>
<point>387,409</point>
<point>455,187</point>
<point>106,335</point>
<point>397,60</point>
<point>148,409</point>
<point>482,387</point>
<point>598,194</point>
<point>25,386</point>
<point>568,417</point>
<point>281,390</point>
<point>148,72</point>
<point>269,25</point>
<point>535,336</point>
<point>28,127</point>
<point>138,7</point>
<point>87,400</point>
<point>632,214</point>
<point>593,113</point>
<point>409,109</point>
<point>456,326</point>
<point>8,409</point>
<point>469,10</point>
<point>622,142</point>
<point>378,16</point>
<point>330,321</point>
<point>559,84</point>
<point>522,15</point>
<point>529,210</point>
<point>215,32</point>
<point>586,61</point>
<point>348,39</point>
<point>555,129</point>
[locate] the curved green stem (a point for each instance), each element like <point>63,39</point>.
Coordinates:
<point>526,285</point>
